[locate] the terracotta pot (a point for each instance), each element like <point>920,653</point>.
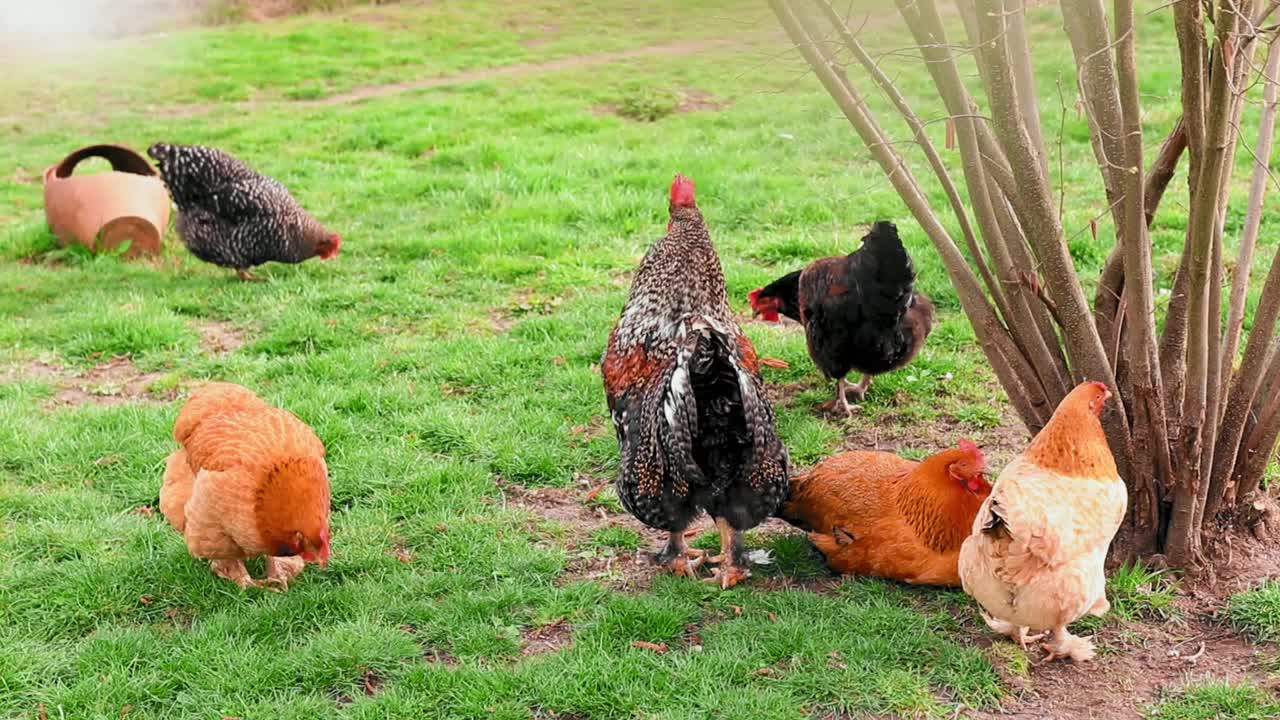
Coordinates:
<point>103,210</point>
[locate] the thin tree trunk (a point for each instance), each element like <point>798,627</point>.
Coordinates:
<point>1261,441</point>
<point>1150,440</point>
<point>1253,216</point>
<point>1183,546</point>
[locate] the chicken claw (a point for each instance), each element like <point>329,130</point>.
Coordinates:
<point>1017,634</point>
<point>245,275</point>
<point>679,558</point>
<point>282,570</point>
<point>1064,645</point>
<point>728,576</point>
<point>233,570</point>
<point>732,557</point>
<point>844,389</point>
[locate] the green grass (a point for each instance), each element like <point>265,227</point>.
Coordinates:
<point>1216,700</point>
<point>490,227</point>
<point>1257,612</point>
<point>1137,594</point>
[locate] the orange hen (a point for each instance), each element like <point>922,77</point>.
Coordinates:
<point>248,480</point>
<point>1034,560</point>
<point>874,513</point>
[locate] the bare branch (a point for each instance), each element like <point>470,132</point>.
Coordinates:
<point>1163,169</point>
<point>1253,217</point>
<point>1006,360</point>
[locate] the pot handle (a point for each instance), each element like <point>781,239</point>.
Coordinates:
<point>122,159</point>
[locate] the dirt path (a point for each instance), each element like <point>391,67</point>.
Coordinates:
<point>575,62</point>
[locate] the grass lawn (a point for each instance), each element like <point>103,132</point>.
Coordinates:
<point>493,202</point>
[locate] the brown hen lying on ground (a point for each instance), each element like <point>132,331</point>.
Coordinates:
<point>874,513</point>
<point>249,479</point>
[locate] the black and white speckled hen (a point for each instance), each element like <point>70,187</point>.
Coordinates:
<point>860,311</point>
<point>695,431</point>
<point>232,216</point>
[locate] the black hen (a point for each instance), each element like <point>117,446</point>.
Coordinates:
<point>231,216</point>
<point>695,431</point>
<point>860,312</point>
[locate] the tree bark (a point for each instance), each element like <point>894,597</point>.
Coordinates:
<point>1183,541</point>
<point>1151,443</point>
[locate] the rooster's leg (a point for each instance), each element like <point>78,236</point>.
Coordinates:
<point>860,390</point>
<point>732,557</point>
<point>245,275</point>
<point>842,400</point>
<point>678,558</point>
<point>282,570</point>
<point>233,570</point>
<point>1064,644</point>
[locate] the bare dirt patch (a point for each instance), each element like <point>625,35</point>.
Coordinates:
<point>219,338</point>
<point>581,516</point>
<point>677,48</point>
<point>552,637</point>
<point>1136,666</point>
<point>113,382</point>
<point>662,104</point>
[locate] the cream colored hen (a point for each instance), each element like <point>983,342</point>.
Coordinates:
<point>249,479</point>
<point>1034,560</point>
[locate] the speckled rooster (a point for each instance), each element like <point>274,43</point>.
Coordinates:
<point>230,215</point>
<point>695,431</point>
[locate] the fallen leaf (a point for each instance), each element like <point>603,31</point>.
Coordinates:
<point>558,360</point>
<point>441,527</point>
<point>737,611</point>
<point>126,710</point>
<point>145,511</point>
<point>774,362</point>
<point>765,671</point>
<point>40,713</point>
<point>951,134</point>
<point>660,648</point>
<point>773,617</point>
<point>146,599</point>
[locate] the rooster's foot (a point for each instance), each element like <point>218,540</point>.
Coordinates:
<point>678,557</point>
<point>728,576</point>
<point>247,276</point>
<point>684,566</point>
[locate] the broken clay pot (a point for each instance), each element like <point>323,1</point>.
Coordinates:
<point>103,210</point>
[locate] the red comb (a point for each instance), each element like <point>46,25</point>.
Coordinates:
<point>682,191</point>
<point>970,446</point>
